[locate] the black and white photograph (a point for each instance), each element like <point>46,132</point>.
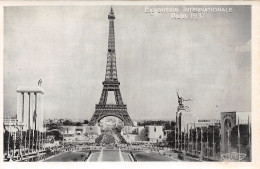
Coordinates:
<point>127,83</point>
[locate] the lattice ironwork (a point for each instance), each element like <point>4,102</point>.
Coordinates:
<point>111,83</point>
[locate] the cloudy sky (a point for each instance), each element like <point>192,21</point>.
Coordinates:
<point>207,59</point>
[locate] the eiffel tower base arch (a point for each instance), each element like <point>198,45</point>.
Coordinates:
<point>111,110</point>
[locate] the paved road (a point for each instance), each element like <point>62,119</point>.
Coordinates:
<point>110,155</point>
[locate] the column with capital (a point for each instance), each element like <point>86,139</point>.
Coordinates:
<point>23,107</point>
<point>19,107</point>
<point>35,111</point>
<point>29,110</point>
<point>29,121</point>
<point>40,111</point>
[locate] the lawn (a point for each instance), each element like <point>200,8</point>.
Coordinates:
<point>68,157</point>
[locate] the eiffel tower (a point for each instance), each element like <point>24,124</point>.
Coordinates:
<point>111,83</point>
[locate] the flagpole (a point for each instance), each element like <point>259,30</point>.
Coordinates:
<point>213,144</point>
<point>25,141</point>
<point>21,141</point>
<point>249,137</point>
<point>249,131</point>
<point>29,141</point>
<point>63,138</point>
<point>207,141</point>
<point>33,141</point>
<point>9,135</point>
<point>175,141</point>
<point>184,138</point>
<point>192,135</point>
<point>188,140</point>
<point>29,121</point>
<point>36,146</point>
<point>38,135</point>
<point>201,146</point>
<point>42,140</point>
<point>228,143</point>
<point>238,140</point>
<point>178,135</point>
<point>45,130</point>
<point>196,142</point>
<point>14,146</point>
<point>181,139</point>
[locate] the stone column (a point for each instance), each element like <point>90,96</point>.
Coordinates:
<point>29,111</point>
<point>23,108</point>
<point>29,121</point>
<point>18,112</point>
<point>41,112</point>
<point>35,109</point>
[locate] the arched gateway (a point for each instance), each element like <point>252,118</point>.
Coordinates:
<point>111,83</point>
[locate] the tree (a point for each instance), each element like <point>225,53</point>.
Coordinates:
<point>78,124</point>
<point>171,139</point>
<point>56,133</point>
<point>67,123</point>
<point>85,122</point>
<point>169,125</point>
<point>6,136</point>
<point>143,135</point>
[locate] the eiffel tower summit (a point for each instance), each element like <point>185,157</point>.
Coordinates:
<point>111,83</point>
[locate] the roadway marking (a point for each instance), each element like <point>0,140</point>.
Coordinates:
<point>120,155</point>
<point>89,157</point>
<point>100,157</point>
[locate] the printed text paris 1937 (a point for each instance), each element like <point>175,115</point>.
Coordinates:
<point>186,12</point>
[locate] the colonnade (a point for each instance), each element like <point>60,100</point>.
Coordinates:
<point>29,107</point>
